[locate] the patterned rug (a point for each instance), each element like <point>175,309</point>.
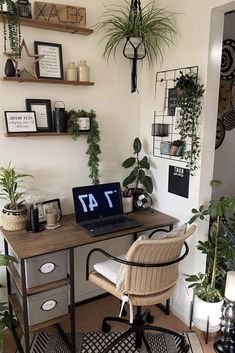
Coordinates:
<point>95,342</point>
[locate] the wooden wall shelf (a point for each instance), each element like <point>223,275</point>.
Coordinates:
<point>59,27</point>
<point>33,134</point>
<point>43,80</point>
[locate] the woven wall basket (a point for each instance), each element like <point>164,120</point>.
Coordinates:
<point>229,120</point>
<point>14,219</point>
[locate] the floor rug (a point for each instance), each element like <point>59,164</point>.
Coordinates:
<point>95,342</point>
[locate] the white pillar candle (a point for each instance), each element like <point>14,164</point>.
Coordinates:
<point>230,286</point>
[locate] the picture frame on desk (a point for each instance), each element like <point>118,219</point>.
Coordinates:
<point>51,65</point>
<point>42,109</point>
<point>55,203</point>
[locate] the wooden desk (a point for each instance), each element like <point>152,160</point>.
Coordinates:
<point>69,236</point>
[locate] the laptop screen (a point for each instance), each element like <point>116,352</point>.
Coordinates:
<point>97,201</point>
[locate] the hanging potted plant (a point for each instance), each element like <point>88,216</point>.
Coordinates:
<point>86,120</point>
<point>11,26</point>
<point>140,32</point>
<point>14,213</point>
<point>209,286</point>
<point>189,100</point>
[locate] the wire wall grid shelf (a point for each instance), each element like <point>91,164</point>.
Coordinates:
<point>164,128</point>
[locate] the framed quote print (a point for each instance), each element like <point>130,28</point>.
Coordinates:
<point>51,64</point>
<point>19,121</point>
<point>42,109</point>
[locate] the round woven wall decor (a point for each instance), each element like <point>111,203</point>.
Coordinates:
<point>229,120</point>
<point>227,70</point>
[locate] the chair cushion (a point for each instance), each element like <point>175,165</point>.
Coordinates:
<point>110,269</point>
<point>173,233</point>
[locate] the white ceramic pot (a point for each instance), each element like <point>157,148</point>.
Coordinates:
<point>84,124</point>
<point>127,203</point>
<point>203,310</point>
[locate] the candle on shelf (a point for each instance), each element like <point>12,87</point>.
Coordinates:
<point>230,286</point>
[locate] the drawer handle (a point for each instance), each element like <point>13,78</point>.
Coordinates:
<point>49,305</point>
<point>48,267</point>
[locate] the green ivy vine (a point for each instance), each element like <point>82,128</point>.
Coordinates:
<point>190,102</point>
<point>93,140</point>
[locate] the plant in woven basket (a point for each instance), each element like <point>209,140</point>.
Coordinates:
<point>14,214</point>
<point>7,320</point>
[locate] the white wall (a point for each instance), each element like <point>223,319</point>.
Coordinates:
<point>224,155</point>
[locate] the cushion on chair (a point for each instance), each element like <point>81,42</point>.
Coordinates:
<point>172,234</point>
<point>110,269</point>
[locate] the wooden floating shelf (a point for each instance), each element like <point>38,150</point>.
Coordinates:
<point>59,27</point>
<point>28,134</point>
<point>19,314</point>
<point>44,80</point>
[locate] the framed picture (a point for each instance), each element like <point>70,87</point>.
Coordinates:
<point>51,65</point>
<point>20,121</point>
<point>42,109</point>
<point>55,203</point>
<point>172,100</point>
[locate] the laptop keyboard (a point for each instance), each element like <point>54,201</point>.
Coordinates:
<point>107,222</point>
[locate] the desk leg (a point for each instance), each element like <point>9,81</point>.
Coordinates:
<point>25,307</point>
<point>72,300</point>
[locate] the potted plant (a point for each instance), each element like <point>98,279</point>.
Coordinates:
<point>93,138</point>
<point>189,100</point>
<point>14,213</point>
<point>209,286</point>
<point>7,320</point>
<point>11,26</point>
<point>138,174</point>
<point>176,148</point>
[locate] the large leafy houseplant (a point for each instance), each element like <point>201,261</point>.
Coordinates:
<point>220,252</point>
<point>93,139</point>
<point>7,320</point>
<point>154,26</point>
<point>190,94</point>
<point>140,166</point>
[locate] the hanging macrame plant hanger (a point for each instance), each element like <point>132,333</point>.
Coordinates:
<point>134,48</point>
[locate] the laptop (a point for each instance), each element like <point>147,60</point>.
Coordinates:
<point>98,209</point>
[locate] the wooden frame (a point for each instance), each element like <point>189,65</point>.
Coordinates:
<point>42,109</point>
<point>51,65</point>
<point>46,204</point>
<point>20,121</point>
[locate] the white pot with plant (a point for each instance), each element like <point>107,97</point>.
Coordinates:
<point>14,214</point>
<point>220,251</point>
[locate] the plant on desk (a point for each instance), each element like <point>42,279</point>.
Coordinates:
<point>93,139</point>
<point>14,213</point>
<point>7,320</point>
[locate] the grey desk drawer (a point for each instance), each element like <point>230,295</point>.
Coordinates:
<point>47,305</point>
<point>44,269</point>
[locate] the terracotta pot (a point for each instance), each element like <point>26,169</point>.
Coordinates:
<point>14,219</point>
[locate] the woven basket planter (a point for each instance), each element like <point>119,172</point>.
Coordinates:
<point>14,219</point>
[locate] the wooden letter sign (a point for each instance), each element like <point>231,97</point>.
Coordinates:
<point>56,13</point>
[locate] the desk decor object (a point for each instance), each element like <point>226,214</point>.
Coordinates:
<point>227,342</point>
<point>51,64</point>
<point>59,13</point>
<point>49,204</point>
<point>20,121</point>
<point>42,109</point>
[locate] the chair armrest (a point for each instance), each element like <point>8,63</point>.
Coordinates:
<point>158,230</point>
<point>131,263</point>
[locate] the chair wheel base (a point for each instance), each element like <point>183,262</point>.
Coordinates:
<point>184,347</point>
<point>106,328</point>
<point>149,318</point>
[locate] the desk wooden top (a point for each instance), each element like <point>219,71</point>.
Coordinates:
<point>71,235</point>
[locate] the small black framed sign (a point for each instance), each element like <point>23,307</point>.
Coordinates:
<point>51,65</point>
<point>42,109</point>
<point>172,101</point>
<point>20,121</point>
<point>178,182</point>
<point>55,203</point>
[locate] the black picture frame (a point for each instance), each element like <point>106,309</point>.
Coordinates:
<point>46,204</point>
<point>42,109</point>
<point>51,65</point>
<point>20,121</point>
<point>173,96</point>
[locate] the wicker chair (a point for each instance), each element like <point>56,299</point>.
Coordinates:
<point>148,276</point>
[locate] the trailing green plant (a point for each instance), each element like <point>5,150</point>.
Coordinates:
<point>219,250</point>
<point>138,174</point>
<point>9,183</point>
<point>93,140</point>
<point>11,27</point>
<point>190,102</point>
<point>7,320</point>
<point>154,26</point>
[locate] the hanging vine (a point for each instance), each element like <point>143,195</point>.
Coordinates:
<point>189,100</point>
